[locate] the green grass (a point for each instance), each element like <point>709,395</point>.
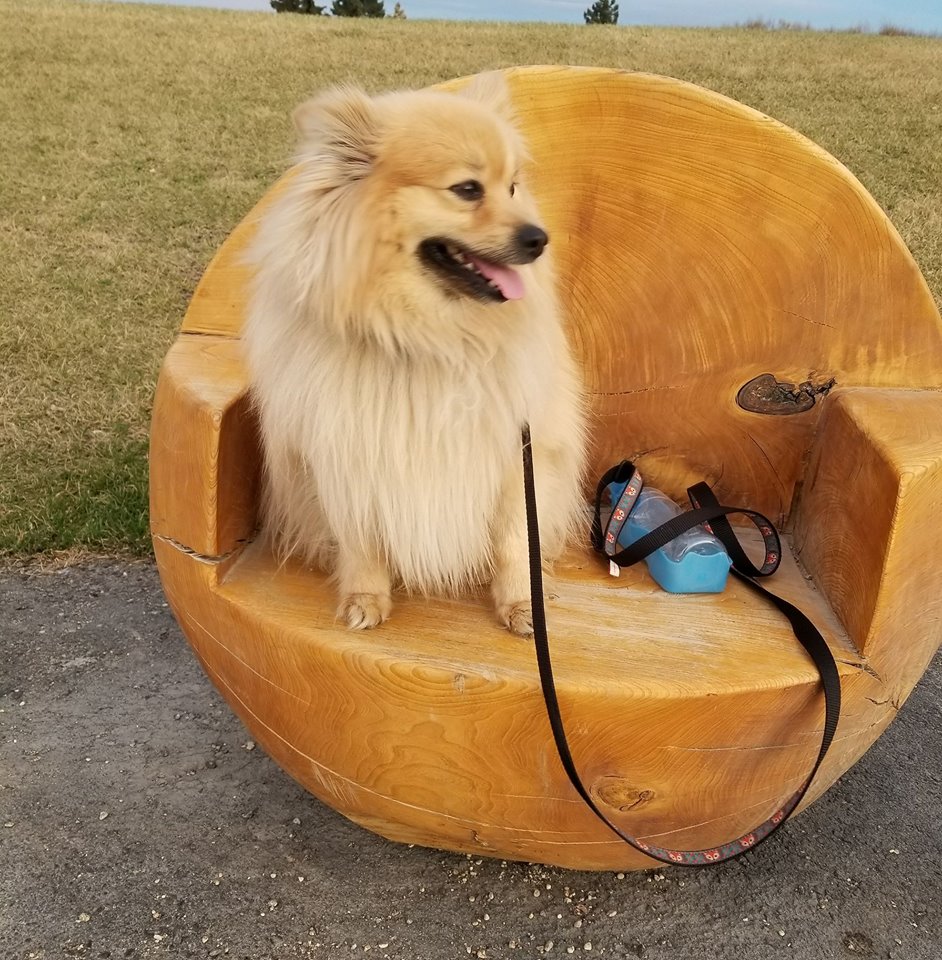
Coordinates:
<point>134,138</point>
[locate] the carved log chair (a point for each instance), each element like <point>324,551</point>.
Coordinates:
<point>745,314</point>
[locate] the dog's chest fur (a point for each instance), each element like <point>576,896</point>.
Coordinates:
<point>409,457</point>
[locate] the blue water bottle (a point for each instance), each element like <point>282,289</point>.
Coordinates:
<point>693,562</point>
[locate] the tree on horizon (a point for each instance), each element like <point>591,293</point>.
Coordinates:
<point>602,11</point>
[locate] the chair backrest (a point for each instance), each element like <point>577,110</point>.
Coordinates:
<point>700,245</point>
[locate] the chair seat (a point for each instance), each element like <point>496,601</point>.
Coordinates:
<point>619,637</point>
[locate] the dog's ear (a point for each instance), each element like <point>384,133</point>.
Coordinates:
<point>492,90</point>
<point>340,124</point>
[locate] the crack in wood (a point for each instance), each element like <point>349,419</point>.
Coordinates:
<point>209,558</point>
<point>892,701</point>
<point>625,393</point>
<point>760,746</point>
<point>817,323</point>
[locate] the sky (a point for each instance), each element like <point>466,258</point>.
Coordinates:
<point>923,15</point>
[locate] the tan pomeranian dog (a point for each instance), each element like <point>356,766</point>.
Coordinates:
<point>403,327</point>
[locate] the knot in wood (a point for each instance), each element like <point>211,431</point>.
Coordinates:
<point>620,794</point>
<point>768,395</point>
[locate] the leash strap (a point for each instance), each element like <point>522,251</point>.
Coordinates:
<point>706,508</point>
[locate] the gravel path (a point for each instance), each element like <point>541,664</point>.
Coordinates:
<point>137,820</point>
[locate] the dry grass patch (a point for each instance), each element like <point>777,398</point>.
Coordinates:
<point>135,138</point>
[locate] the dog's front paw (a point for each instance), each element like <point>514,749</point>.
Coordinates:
<point>363,611</point>
<point>517,617</point>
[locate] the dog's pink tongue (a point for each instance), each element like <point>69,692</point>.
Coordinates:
<point>508,281</point>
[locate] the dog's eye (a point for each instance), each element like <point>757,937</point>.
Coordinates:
<point>468,190</point>
<point>513,189</point>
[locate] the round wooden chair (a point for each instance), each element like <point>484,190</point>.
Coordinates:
<point>746,314</point>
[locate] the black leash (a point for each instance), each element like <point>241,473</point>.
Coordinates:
<point>706,509</point>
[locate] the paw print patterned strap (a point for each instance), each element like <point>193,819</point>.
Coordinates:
<point>626,476</point>
<point>706,509</point>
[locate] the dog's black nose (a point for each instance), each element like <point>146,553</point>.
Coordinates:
<point>531,240</point>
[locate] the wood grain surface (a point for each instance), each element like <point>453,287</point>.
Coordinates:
<point>700,245</point>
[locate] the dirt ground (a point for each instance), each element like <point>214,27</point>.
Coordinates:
<point>137,820</point>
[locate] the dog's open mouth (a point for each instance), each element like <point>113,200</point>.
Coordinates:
<point>471,273</point>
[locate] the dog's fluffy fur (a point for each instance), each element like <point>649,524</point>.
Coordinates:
<point>391,393</point>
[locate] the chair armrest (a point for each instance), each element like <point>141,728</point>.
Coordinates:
<point>868,523</point>
<point>204,453</point>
